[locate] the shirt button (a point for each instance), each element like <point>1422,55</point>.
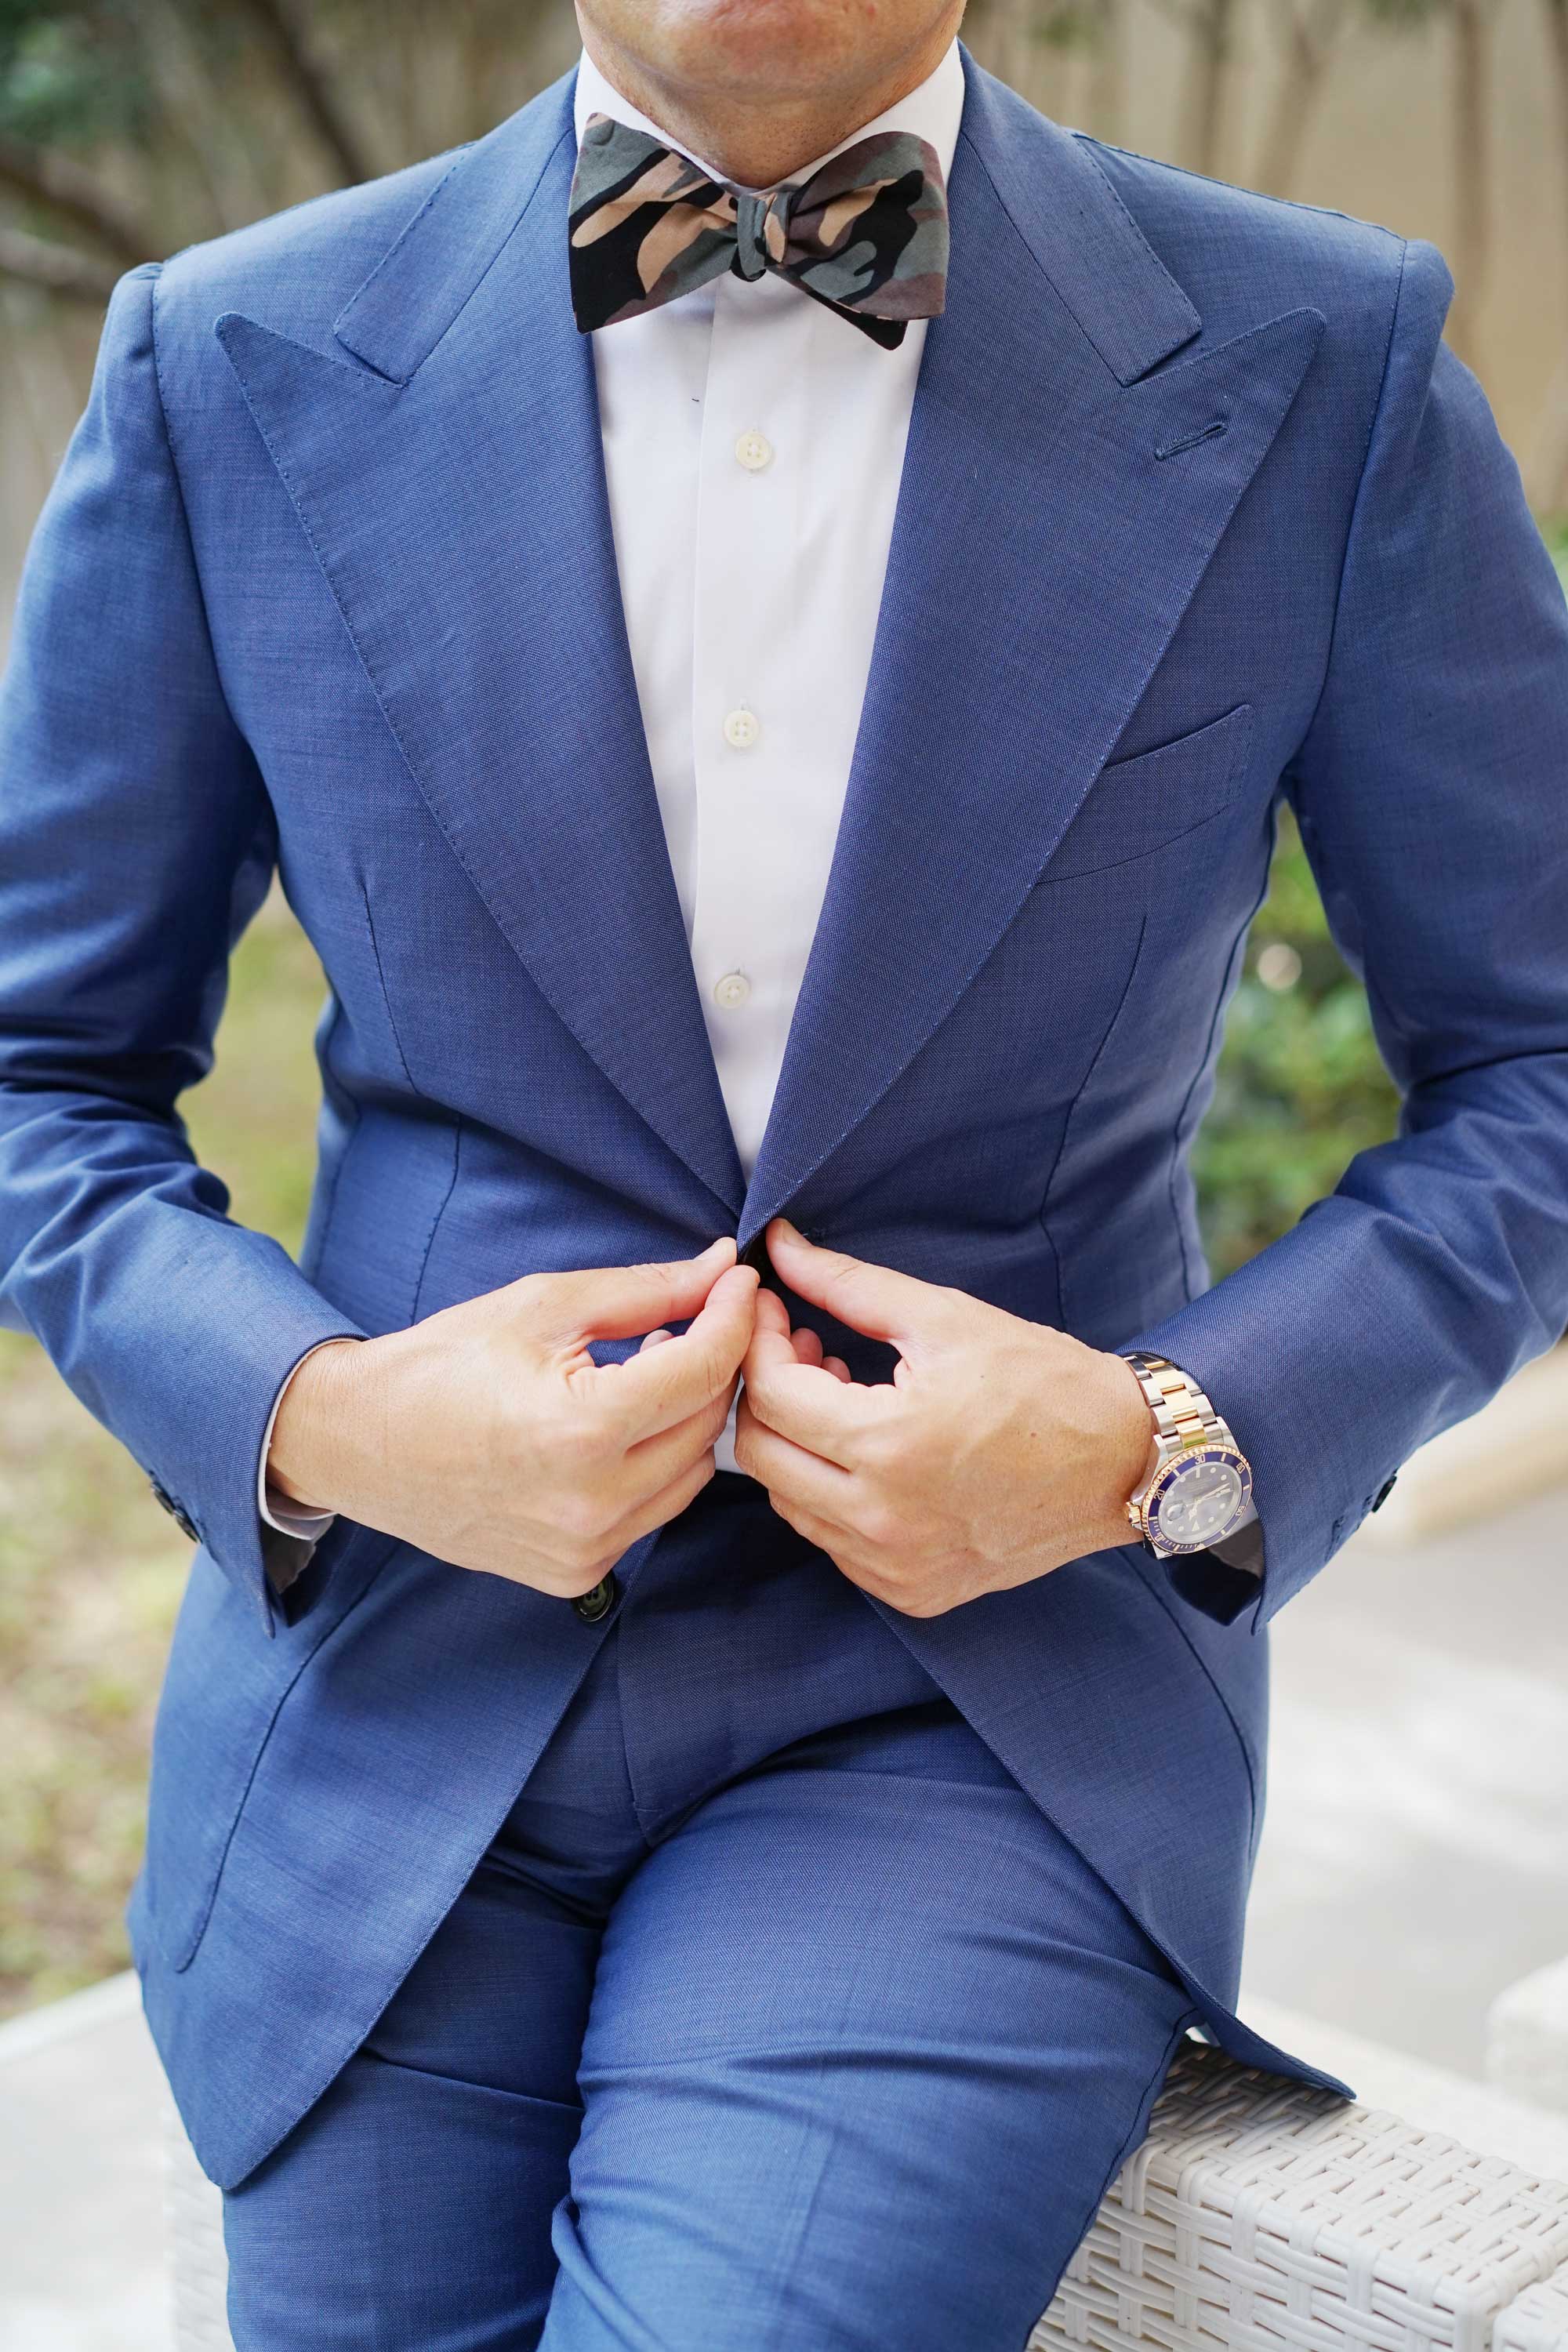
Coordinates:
<point>754,451</point>
<point>741,729</point>
<point>731,990</point>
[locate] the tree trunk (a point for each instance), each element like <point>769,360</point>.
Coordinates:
<point>1014,22</point>
<point>310,88</point>
<point>1005,36</point>
<point>200,136</point>
<point>1213,25</point>
<point>1310,40</point>
<point>1546,474</point>
<point>56,269</point>
<point>62,188</point>
<point>1108,72</point>
<point>1471,127</point>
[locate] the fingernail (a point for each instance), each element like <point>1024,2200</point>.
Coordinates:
<point>710,1249</point>
<point>793,1232</point>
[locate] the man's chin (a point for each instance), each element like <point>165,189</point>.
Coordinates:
<point>791,51</point>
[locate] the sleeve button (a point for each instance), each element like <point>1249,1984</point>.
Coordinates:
<point>176,1511</point>
<point>597,1602</point>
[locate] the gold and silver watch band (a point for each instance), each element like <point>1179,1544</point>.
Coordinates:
<point>1182,1413</point>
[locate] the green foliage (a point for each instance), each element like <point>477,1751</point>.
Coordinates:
<point>72,76</point>
<point>1300,1087</point>
<point>1404,15</point>
<point>1070,24</point>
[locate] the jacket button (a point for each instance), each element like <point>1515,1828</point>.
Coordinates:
<point>593,1605</point>
<point>176,1511</point>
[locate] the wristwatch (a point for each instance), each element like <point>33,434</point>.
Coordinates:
<point>1202,1481</point>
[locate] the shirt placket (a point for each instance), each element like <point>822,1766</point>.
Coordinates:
<point>751,488</point>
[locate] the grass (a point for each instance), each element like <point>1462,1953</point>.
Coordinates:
<point>90,1568</point>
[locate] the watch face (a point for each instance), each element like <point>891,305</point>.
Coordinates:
<point>1199,1498</point>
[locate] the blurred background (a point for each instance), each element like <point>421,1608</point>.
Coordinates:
<point>1417,1851</point>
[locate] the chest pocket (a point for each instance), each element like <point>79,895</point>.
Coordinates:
<point>1140,805</point>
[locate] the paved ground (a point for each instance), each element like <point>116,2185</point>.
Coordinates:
<point>82,2263</point>
<point>1416,1861</point>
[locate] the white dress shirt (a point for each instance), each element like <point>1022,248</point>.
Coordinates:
<point>753,445</point>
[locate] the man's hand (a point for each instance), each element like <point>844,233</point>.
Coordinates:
<point>999,1450</point>
<point>488,1435</point>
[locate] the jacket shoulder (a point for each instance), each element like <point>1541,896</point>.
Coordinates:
<point>298,268</point>
<point>1242,257</point>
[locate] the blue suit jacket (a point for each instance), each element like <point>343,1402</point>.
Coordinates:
<point>1197,511</point>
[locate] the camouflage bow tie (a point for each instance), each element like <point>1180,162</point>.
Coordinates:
<point>866,235</point>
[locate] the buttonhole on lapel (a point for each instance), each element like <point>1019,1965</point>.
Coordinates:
<point>1191,440</point>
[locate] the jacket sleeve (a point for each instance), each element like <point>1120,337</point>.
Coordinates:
<point>136,840</point>
<point>1432,791</point>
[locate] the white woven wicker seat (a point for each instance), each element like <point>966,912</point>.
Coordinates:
<point>193,2209</point>
<point>1538,2320</point>
<point>1259,2216</point>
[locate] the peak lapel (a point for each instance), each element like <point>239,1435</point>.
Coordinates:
<point>1058,507</point>
<point>452,487</point>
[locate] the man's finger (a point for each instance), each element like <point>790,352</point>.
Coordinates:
<point>653,1461</point>
<point>618,1302</point>
<point>871,1298</point>
<point>801,1476</point>
<point>804,1402</point>
<point>662,1385</point>
<point>773,1315</point>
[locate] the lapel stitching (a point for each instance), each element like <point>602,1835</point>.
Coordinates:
<point>1043,557</point>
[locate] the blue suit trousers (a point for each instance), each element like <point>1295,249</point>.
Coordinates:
<point>777,2015</point>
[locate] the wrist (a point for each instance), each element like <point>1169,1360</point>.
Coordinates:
<point>1128,1449</point>
<point>1131,1435</point>
<point>307,1460</point>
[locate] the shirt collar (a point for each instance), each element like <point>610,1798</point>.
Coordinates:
<point>931,111</point>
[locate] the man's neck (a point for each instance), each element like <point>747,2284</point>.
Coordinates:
<point>757,141</point>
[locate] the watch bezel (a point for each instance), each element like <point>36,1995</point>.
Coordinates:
<point>1173,1472</point>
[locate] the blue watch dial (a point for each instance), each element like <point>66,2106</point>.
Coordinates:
<point>1198,1499</point>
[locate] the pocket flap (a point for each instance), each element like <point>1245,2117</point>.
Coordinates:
<point>1139,804</point>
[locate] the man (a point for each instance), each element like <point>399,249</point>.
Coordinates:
<point>762,611</point>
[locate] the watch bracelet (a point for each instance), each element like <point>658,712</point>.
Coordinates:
<point>1180,1409</point>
